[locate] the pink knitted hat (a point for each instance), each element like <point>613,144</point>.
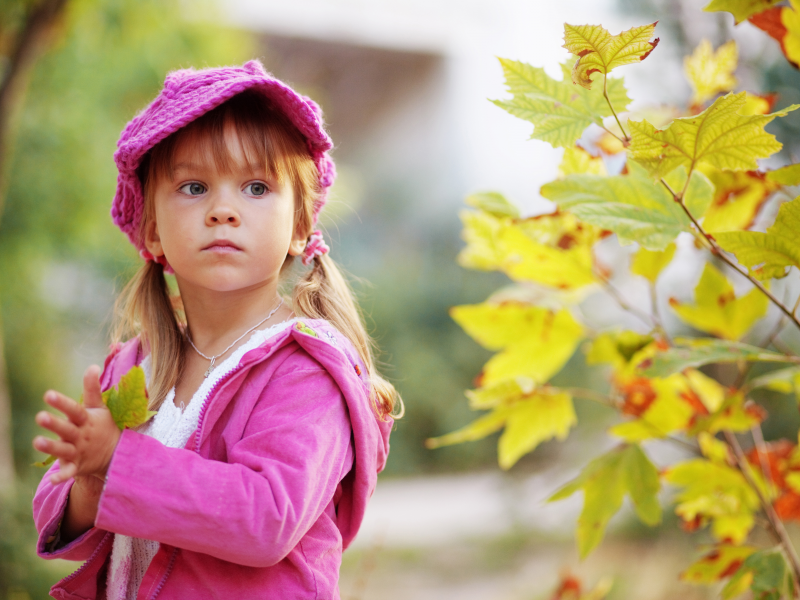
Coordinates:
<point>189,94</point>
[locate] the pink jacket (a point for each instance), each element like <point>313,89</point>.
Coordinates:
<point>263,498</point>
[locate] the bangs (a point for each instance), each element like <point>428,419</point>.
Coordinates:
<point>265,136</point>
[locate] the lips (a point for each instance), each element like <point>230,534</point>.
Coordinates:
<point>222,246</point>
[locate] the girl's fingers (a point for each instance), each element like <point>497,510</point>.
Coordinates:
<point>64,429</point>
<point>58,448</point>
<point>66,470</point>
<point>92,397</point>
<point>74,411</point>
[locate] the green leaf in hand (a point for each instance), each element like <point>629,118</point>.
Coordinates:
<point>127,403</point>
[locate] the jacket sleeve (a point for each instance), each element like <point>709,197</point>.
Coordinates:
<point>254,508</point>
<point>50,501</point>
<point>49,504</point>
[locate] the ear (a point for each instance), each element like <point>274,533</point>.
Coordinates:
<point>152,241</point>
<point>298,243</point>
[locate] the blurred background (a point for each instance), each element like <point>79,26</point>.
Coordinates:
<point>404,85</point>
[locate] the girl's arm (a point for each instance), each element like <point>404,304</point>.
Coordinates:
<point>254,508</point>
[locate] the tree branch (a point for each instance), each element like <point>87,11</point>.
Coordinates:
<point>718,251</point>
<point>776,527</point>
<point>30,43</point>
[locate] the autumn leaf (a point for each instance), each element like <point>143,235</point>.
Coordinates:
<point>735,414</point>
<point>599,52</point>
<point>576,161</point>
<point>740,9</point>
<point>616,348</point>
<point>605,481</point>
<point>717,493</point>
<point>719,136</point>
<point>722,562</point>
<point>783,24</point>
<point>710,72</point>
<point>632,205</point>
<point>559,111</point>
<point>534,342</point>
<point>650,263</point>
<point>529,420</point>
<point>666,412</point>
<point>554,250</point>
<point>738,196</point>
<point>127,402</point>
<point>717,310</point>
<point>788,175</point>
<point>768,254</point>
<point>493,203</point>
<point>765,573</point>
<point>698,352</point>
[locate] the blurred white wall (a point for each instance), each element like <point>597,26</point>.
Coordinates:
<point>436,132</point>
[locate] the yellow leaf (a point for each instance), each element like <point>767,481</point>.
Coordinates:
<point>542,417</point>
<point>554,250</point>
<point>710,392</point>
<point>616,348</point>
<point>711,72</point>
<point>535,342</point>
<point>713,449</point>
<point>715,492</point>
<point>600,52</point>
<point>790,17</point>
<point>738,196</point>
<point>788,175</point>
<point>735,414</point>
<point>494,204</point>
<point>717,310</point>
<point>793,481</point>
<point>720,563</point>
<point>528,421</point>
<point>650,263</point>
<point>504,392</point>
<point>667,413</point>
<point>740,9</point>
<point>577,160</point>
<point>718,136</point>
<point>768,254</point>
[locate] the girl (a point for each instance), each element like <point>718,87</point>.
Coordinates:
<point>272,422</point>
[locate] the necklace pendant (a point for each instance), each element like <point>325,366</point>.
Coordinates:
<point>210,367</point>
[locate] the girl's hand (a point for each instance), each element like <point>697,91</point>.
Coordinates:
<point>87,437</point>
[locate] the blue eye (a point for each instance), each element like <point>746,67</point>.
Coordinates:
<point>193,189</point>
<point>256,189</point>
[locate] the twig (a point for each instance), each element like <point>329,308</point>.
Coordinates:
<point>761,451</point>
<point>657,313</point>
<point>718,251</point>
<point>776,525</point>
<point>613,112</point>
<point>614,293</point>
<point>591,395</point>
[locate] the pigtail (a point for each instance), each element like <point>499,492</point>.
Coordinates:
<point>145,307</point>
<point>323,293</point>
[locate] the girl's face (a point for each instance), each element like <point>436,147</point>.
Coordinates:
<point>222,229</point>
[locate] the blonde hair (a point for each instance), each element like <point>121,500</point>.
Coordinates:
<point>148,309</point>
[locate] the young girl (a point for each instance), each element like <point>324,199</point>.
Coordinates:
<point>272,422</point>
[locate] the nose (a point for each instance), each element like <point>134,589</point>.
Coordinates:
<point>223,212</point>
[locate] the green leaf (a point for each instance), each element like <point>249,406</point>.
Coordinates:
<point>535,342</point>
<point>785,381</point>
<point>601,52</point>
<point>718,136</point>
<point>529,420</point>
<point>717,310</point>
<point>128,400</point>
<point>699,352</point>
<point>768,573</point>
<point>559,111</point>
<point>771,252</point>
<point>740,9</point>
<point>650,263</point>
<point>605,481</point>
<point>493,203</point>
<point>788,175</point>
<point>632,206</point>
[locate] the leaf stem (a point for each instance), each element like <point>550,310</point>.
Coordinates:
<point>776,525</point>
<point>591,395</point>
<point>717,250</point>
<point>614,293</point>
<point>613,112</point>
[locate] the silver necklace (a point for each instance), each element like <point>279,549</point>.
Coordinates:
<point>214,358</point>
